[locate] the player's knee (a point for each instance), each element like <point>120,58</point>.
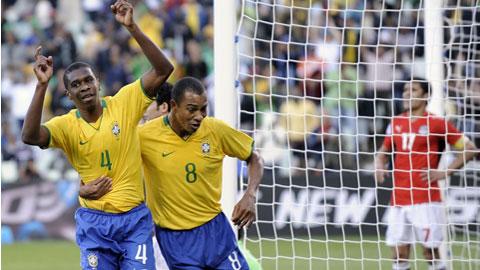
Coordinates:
<point>400,254</point>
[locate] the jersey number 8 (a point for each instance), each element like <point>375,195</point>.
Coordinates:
<point>191,175</point>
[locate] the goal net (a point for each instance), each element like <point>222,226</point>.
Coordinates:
<point>319,81</point>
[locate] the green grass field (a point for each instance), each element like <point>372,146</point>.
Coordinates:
<point>279,254</point>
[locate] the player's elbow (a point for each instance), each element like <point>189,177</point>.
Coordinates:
<point>31,139</point>
<point>161,75</point>
<point>27,138</point>
<point>165,72</point>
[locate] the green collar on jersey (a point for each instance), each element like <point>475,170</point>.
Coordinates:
<point>166,121</point>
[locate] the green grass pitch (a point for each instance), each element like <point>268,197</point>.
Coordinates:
<point>276,254</point>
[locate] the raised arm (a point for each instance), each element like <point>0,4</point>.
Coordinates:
<point>244,212</point>
<point>162,68</point>
<point>32,132</point>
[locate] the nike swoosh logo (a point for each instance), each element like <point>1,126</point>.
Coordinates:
<point>164,154</point>
<point>82,143</point>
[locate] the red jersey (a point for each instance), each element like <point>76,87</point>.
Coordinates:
<point>417,145</point>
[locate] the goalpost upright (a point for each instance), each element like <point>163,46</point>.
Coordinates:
<point>433,34</point>
<point>224,85</point>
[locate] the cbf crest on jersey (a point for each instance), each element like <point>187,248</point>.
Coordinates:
<point>92,260</point>
<point>116,129</point>
<point>205,148</point>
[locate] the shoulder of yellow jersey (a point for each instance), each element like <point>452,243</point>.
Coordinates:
<point>72,114</point>
<point>213,123</point>
<point>152,125</point>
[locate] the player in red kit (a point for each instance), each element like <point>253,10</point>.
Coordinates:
<point>417,140</point>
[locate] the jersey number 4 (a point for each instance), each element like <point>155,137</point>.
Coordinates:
<point>141,253</point>
<point>105,160</point>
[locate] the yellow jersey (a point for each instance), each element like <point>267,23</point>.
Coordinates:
<point>108,147</point>
<point>183,178</point>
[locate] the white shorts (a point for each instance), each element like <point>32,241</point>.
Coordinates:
<point>419,223</point>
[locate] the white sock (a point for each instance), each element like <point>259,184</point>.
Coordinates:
<point>403,265</point>
<point>437,265</point>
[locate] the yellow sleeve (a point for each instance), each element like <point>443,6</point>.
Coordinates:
<point>133,100</point>
<point>58,132</point>
<point>234,143</point>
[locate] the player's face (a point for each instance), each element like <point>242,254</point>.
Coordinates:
<point>413,96</point>
<point>82,87</point>
<point>191,111</point>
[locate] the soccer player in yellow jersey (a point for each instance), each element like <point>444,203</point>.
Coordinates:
<point>100,138</point>
<point>182,155</point>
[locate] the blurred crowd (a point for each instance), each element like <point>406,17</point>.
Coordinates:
<point>325,77</point>
<point>320,78</point>
<point>85,30</point>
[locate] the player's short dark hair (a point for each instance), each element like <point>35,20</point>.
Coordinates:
<point>424,84</point>
<point>164,94</point>
<point>186,84</point>
<point>72,67</point>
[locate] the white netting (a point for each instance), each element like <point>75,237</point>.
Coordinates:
<point>319,82</point>
<point>462,56</point>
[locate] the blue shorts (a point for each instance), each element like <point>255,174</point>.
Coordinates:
<point>115,241</point>
<point>212,245</point>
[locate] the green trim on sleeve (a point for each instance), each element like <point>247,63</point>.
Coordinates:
<point>49,137</point>
<point>143,90</point>
<point>251,151</point>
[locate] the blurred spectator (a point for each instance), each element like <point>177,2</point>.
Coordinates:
<point>29,173</point>
<point>60,103</point>
<point>44,14</point>
<point>93,8</point>
<point>195,17</point>
<point>379,77</point>
<point>61,47</point>
<point>340,102</point>
<point>14,53</point>
<point>301,118</point>
<point>116,74</point>
<point>195,66</point>
<point>20,94</point>
<point>9,142</point>
<point>311,68</point>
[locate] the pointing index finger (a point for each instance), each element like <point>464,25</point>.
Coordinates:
<point>37,51</point>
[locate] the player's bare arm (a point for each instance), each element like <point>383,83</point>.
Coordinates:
<point>380,164</point>
<point>244,212</point>
<point>95,189</point>
<point>33,133</point>
<point>467,149</point>
<point>162,68</point>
